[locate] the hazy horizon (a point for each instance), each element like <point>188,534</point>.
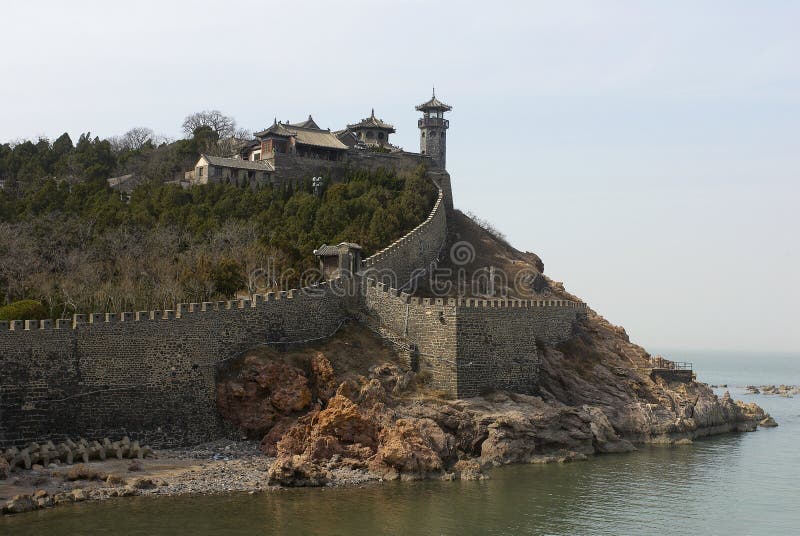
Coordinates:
<point>648,153</point>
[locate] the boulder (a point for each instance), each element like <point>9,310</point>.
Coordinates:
<point>468,470</point>
<point>412,447</point>
<point>143,483</point>
<point>261,394</point>
<point>768,422</point>
<point>296,472</point>
<point>20,504</point>
<point>79,495</point>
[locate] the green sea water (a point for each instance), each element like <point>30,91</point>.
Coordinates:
<point>733,484</point>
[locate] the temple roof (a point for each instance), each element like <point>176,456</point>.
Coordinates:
<point>372,122</point>
<point>317,138</point>
<point>308,123</point>
<point>276,129</point>
<point>304,135</point>
<point>238,163</point>
<point>434,105</point>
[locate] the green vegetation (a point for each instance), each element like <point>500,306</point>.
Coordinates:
<point>78,247</point>
<point>23,310</point>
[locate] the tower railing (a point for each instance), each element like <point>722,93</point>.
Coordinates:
<point>433,122</point>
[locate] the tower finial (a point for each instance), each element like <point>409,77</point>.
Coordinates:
<point>373,113</point>
<point>434,92</point>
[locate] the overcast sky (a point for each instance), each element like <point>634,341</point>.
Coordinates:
<point>649,152</point>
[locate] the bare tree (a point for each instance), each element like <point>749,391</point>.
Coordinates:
<point>135,138</point>
<point>132,140</point>
<point>223,125</point>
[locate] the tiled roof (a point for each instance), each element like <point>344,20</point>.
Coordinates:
<point>318,138</point>
<point>238,163</point>
<point>308,123</point>
<point>312,135</point>
<point>372,122</point>
<point>434,104</point>
<point>276,129</point>
<point>325,250</point>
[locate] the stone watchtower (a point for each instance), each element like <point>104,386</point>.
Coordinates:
<point>432,130</point>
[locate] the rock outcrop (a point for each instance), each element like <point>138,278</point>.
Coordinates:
<point>596,397</point>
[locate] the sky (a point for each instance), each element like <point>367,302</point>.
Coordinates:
<point>649,152</point>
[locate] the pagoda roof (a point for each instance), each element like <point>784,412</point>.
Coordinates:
<point>434,104</point>
<point>276,129</point>
<point>372,122</point>
<point>308,123</point>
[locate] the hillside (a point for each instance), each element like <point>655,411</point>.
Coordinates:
<point>79,248</point>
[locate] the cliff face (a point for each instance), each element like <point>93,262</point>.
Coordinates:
<point>382,422</point>
<point>601,369</point>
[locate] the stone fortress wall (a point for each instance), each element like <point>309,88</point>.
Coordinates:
<point>471,346</point>
<point>412,255</point>
<point>151,375</point>
<point>289,167</point>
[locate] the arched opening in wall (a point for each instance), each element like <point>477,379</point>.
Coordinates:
<point>423,134</point>
<point>380,136</point>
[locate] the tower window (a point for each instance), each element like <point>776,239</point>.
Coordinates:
<point>380,135</point>
<point>423,134</point>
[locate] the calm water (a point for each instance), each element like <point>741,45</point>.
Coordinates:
<point>735,484</point>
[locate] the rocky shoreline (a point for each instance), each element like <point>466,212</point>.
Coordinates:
<point>786,391</point>
<point>347,412</point>
<point>226,466</point>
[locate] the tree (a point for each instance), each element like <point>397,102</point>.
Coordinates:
<point>227,277</point>
<point>137,137</point>
<point>224,126</point>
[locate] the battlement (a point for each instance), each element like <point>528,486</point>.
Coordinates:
<point>413,255</point>
<point>181,311</point>
<point>400,245</point>
<point>472,345</point>
<point>494,303</point>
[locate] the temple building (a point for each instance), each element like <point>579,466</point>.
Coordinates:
<point>372,131</point>
<point>303,139</point>
<point>289,153</point>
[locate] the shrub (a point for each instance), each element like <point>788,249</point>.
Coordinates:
<point>24,310</point>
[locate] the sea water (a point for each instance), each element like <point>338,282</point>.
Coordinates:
<point>747,483</point>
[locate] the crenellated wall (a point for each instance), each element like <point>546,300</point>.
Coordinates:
<point>411,256</point>
<point>472,345</point>
<point>150,375</point>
